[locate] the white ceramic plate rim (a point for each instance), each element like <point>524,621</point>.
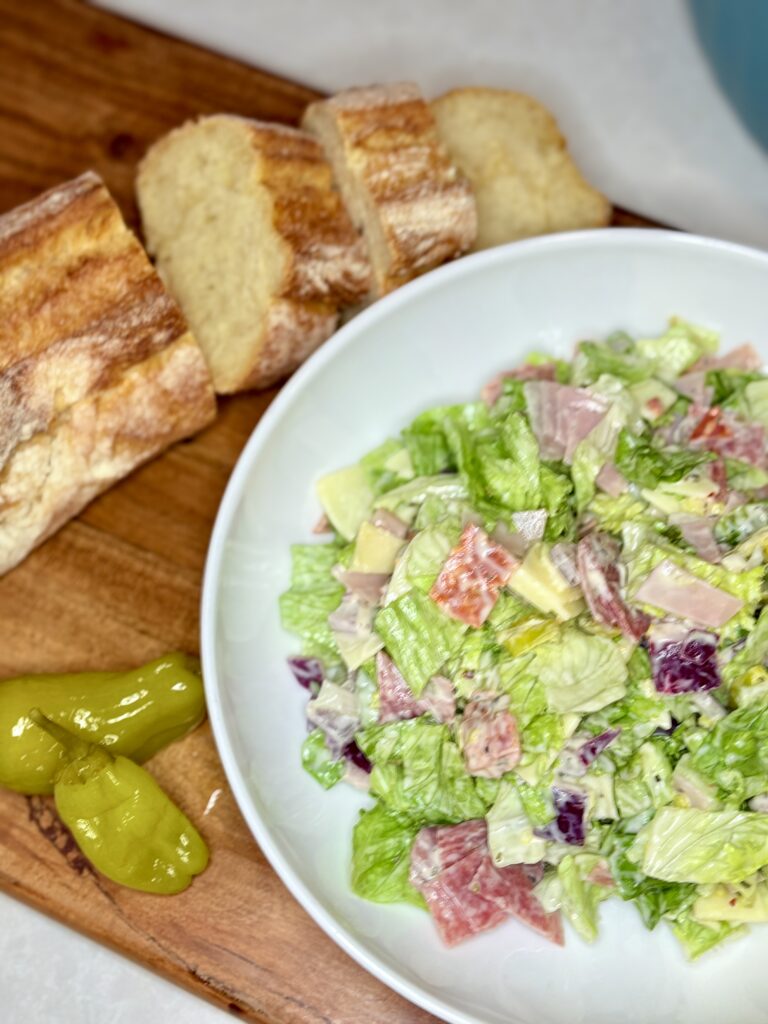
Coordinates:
<point>348,335</point>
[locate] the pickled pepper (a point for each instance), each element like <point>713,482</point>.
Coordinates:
<point>123,822</point>
<point>135,713</point>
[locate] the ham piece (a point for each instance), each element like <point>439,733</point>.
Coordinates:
<point>493,390</point>
<point>744,358</point>
<point>680,593</point>
<point>597,556</point>
<point>561,416</point>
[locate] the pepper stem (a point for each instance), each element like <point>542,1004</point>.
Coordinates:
<point>74,746</point>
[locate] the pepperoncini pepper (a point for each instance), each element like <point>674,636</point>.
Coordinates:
<point>123,822</point>
<point>134,713</point>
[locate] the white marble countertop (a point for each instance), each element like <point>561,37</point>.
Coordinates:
<point>641,110</point>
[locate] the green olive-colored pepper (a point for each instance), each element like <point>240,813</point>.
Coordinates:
<point>123,822</point>
<point>133,713</point>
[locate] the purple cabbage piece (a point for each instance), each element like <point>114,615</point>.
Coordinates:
<point>308,672</point>
<point>354,754</point>
<point>686,664</point>
<point>567,826</point>
<point>592,749</point>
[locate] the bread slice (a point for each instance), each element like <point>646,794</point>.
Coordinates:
<point>401,190</point>
<point>98,371</point>
<point>511,150</point>
<point>253,242</point>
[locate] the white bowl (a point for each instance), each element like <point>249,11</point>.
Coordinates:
<point>438,340</point>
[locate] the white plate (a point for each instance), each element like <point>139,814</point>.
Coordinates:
<point>438,340</point>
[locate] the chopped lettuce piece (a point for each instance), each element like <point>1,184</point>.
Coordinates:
<point>643,464</point>
<point>445,485</point>
<point>689,845</point>
<point>381,857</point>
<point>312,596</point>
<point>737,526</point>
<point>317,759</point>
<point>681,345</point>
<point>756,399</point>
<point>422,560</point>
<point>696,937</point>
<point>654,899</point>
<point>568,890</point>
<point>581,672</point>
<point>418,770</point>
<point>511,838</point>
<point>734,754</point>
<point>418,636</point>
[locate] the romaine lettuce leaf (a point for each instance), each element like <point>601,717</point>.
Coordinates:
<point>580,672</point>
<point>511,838</point>
<point>418,770</point>
<point>677,349</point>
<point>654,899</point>
<point>381,857</point>
<point>388,466</point>
<point>317,759</point>
<point>312,596</point>
<point>568,890</point>
<point>418,636</point>
<point>643,464</point>
<point>696,937</point>
<point>422,560</point>
<point>705,847</point>
<point>734,754</point>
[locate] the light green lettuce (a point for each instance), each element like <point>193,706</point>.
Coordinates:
<point>418,770</point>
<point>677,349</point>
<point>422,560</point>
<point>511,838</point>
<point>734,754</point>
<point>317,760</point>
<point>568,890</point>
<point>689,845</point>
<point>654,899</point>
<point>381,856</point>
<point>312,596</point>
<point>418,637</point>
<point>696,937</point>
<point>580,673</point>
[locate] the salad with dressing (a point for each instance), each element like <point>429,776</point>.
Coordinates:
<point>537,634</point>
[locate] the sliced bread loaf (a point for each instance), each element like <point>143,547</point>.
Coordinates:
<point>511,150</point>
<point>399,186</point>
<point>253,242</point>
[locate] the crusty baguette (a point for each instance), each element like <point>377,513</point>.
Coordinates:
<point>253,242</point>
<point>510,148</point>
<point>401,190</point>
<point>98,371</point>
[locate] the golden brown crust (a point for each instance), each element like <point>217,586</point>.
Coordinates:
<point>81,310</point>
<point>328,258</point>
<point>99,440</point>
<point>401,173</point>
<point>292,332</point>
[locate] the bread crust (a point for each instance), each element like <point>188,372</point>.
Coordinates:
<point>394,172</point>
<point>82,312</point>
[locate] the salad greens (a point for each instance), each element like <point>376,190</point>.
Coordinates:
<point>537,634</point>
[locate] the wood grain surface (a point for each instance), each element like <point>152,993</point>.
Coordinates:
<point>121,584</point>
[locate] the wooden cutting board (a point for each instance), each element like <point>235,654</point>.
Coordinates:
<point>121,584</point>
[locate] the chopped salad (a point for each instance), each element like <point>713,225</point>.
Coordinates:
<point>537,633</point>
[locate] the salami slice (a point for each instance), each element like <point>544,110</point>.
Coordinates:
<point>440,846</point>
<point>458,911</point>
<point>511,890</point>
<point>474,572</point>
